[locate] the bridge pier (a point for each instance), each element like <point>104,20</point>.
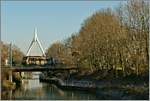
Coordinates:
<point>10,76</point>
<point>21,74</point>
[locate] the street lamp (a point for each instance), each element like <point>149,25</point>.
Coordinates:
<point>10,55</point>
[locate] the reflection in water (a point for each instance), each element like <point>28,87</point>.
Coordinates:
<point>6,95</point>
<point>33,89</point>
<point>53,92</point>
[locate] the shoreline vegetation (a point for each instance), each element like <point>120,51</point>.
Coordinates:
<point>110,48</point>
<point>5,80</point>
<point>121,89</point>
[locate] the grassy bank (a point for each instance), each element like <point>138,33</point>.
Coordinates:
<point>5,80</point>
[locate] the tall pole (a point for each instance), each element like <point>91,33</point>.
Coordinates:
<point>10,56</point>
<point>10,61</point>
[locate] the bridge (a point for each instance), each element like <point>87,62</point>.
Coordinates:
<point>38,68</point>
<point>36,63</point>
<point>35,59</point>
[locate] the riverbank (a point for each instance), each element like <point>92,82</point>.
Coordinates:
<point>6,77</point>
<point>8,85</point>
<point>116,89</point>
<point>70,84</point>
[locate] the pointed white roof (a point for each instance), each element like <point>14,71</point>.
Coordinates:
<point>35,41</point>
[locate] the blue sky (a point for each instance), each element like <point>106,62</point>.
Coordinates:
<point>55,20</point>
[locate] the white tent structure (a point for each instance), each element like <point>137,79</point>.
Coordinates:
<point>37,42</point>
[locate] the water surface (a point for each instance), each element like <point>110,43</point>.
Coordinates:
<point>34,90</point>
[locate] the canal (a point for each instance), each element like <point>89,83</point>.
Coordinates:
<point>33,89</point>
